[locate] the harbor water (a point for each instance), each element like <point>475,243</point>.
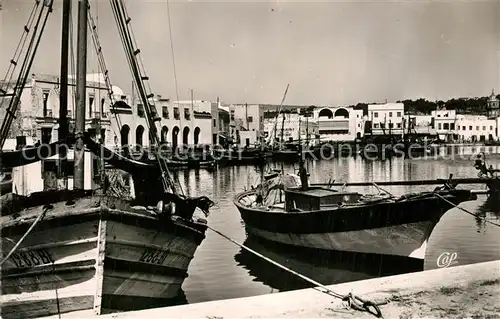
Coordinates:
<point>222,270</point>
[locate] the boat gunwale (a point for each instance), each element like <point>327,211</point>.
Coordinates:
<point>101,212</point>
<point>237,198</point>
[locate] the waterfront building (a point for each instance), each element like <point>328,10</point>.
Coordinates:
<point>421,125</point>
<point>339,123</point>
<point>246,117</point>
<point>37,122</point>
<point>185,123</point>
<point>443,121</point>
<point>386,118</point>
<point>38,111</point>
<point>224,124</point>
<point>293,124</point>
<point>476,128</point>
<point>419,120</point>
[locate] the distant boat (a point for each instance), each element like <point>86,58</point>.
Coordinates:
<point>241,156</point>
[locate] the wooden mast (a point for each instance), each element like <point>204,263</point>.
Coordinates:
<point>81,95</point>
<point>63,92</point>
<point>302,169</point>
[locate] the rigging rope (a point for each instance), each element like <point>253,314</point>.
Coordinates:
<point>25,70</point>
<point>466,211</point>
<point>123,20</point>
<point>353,301</point>
<point>19,49</point>
<point>172,50</point>
<point>102,66</point>
<point>16,246</point>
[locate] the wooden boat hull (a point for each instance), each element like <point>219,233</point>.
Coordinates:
<point>92,256</point>
<point>389,228</point>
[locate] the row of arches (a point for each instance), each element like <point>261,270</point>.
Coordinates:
<point>139,135</point>
<point>340,112</point>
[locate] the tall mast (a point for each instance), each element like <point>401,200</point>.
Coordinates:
<point>81,96</point>
<point>63,93</point>
<point>302,169</point>
<point>277,115</point>
<point>246,116</point>
<point>192,100</point>
<point>282,126</point>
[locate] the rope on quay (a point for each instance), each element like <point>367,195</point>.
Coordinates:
<point>37,220</point>
<point>466,211</point>
<point>353,301</point>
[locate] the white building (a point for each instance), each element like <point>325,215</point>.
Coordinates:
<point>37,120</point>
<point>291,124</point>
<point>476,128</point>
<point>339,123</point>
<point>245,117</point>
<point>181,122</point>
<point>444,123</point>
<point>386,118</point>
<point>420,120</point>
<point>248,138</point>
<point>38,111</point>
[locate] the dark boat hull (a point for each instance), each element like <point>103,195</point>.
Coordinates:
<point>394,228</point>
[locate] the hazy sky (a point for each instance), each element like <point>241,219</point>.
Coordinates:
<point>330,52</point>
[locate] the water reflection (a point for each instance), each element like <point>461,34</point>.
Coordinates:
<point>489,211</point>
<point>219,270</point>
<point>326,267</point>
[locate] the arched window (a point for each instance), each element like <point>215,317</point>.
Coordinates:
<point>326,113</point>
<point>185,136</point>
<point>197,135</point>
<point>139,132</point>
<point>124,135</point>
<point>175,134</point>
<point>164,132</point>
<point>341,113</point>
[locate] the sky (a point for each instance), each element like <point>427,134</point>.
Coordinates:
<point>330,52</point>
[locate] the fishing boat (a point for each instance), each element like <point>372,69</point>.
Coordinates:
<point>183,160</point>
<point>95,250</point>
<point>290,211</point>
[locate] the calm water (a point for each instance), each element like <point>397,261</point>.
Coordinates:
<point>221,270</point>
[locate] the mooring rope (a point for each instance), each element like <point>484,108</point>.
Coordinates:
<point>466,211</point>
<point>39,218</point>
<point>353,301</point>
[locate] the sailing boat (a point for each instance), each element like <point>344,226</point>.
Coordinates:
<point>71,250</point>
<point>314,217</point>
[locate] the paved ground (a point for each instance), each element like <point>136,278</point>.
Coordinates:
<point>471,291</point>
<point>477,300</point>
